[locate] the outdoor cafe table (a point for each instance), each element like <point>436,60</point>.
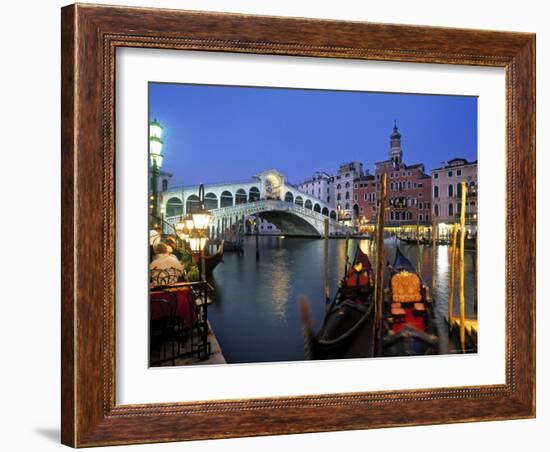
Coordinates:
<point>186,304</point>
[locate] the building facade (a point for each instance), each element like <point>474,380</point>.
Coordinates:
<point>162,182</point>
<point>408,189</point>
<point>364,197</point>
<point>343,189</point>
<point>447,192</point>
<point>321,186</point>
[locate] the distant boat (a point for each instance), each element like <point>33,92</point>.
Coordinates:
<point>414,241</point>
<point>233,246</point>
<point>469,243</point>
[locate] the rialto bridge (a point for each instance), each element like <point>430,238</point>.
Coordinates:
<point>266,196</point>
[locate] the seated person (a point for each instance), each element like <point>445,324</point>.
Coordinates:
<point>171,242</point>
<point>165,268</point>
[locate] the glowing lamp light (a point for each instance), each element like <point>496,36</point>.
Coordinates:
<point>201,219</point>
<point>156,160</point>
<point>155,151</point>
<point>197,244</point>
<point>189,224</point>
<point>181,230</point>
<point>185,227</point>
<point>155,129</point>
<point>155,146</point>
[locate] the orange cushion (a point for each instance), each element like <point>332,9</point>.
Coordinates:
<point>419,307</point>
<point>397,311</point>
<point>357,278</point>
<point>405,287</point>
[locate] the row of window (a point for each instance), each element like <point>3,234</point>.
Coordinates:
<point>339,176</point>
<point>400,186</point>
<point>407,216</point>
<point>312,192</point>
<point>458,173</point>
<point>470,208</point>
<point>339,186</point>
<point>451,190</point>
<point>395,174</point>
<point>363,185</point>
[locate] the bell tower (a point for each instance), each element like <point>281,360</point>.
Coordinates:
<point>396,153</point>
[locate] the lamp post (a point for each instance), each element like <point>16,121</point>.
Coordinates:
<point>193,228</point>
<point>155,158</point>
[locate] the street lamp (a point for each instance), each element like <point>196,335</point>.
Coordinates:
<point>183,229</point>
<point>201,217</point>
<point>193,229</point>
<point>156,157</point>
<point>155,129</point>
<point>194,226</point>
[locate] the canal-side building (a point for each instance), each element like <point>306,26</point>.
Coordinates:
<point>321,186</point>
<point>408,198</point>
<point>343,189</point>
<point>364,197</point>
<point>162,182</point>
<point>446,194</point>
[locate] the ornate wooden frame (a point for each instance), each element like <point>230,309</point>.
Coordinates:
<point>90,35</point>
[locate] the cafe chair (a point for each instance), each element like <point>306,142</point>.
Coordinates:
<point>164,327</point>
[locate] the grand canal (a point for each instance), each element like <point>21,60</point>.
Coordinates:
<point>255,310</point>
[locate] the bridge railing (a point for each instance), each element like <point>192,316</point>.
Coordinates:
<point>258,206</point>
<point>255,207</point>
<point>251,208</point>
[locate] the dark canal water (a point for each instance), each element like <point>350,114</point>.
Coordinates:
<point>255,311</point>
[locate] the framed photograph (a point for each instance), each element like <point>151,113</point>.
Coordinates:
<point>282,225</point>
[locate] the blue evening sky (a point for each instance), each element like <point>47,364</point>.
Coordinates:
<point>221,133</point>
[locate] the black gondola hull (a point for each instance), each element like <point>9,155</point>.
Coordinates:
<point>345,324</point>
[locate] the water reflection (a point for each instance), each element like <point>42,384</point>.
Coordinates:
<point>255,313</point>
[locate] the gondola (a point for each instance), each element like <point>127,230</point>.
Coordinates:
<point>413,241</point>
<point>409,326</point>
<point>236,247</point>
<point>347,327</point>
<point>406,240</point>
<point>423,241</point>
<point>210,262</point>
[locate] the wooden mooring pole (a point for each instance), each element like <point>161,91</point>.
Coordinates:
<point>257,224</point>
<point>379,275</point>
<point>346,260</point>
<point>452,278</point>
<point>418,261</point>
<point>327,288</point>
<point>461,265</point>
<point>434,251</point>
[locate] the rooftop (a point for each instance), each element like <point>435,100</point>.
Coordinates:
<point>456,162</point>
<point>367,177</point>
